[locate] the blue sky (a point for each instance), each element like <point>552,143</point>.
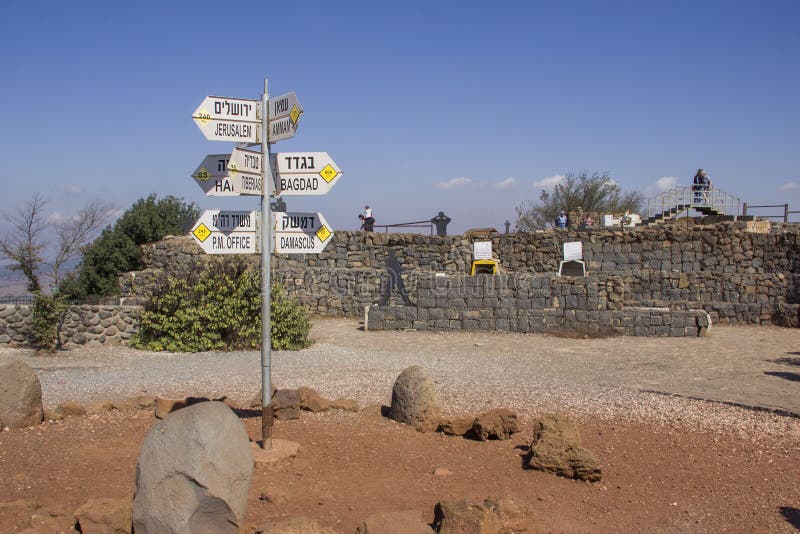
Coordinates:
<point>426,106</point>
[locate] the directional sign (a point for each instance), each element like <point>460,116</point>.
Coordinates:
<point>304,173</point>
<point>229,119</point>
<point>284,114</point>
<point>238,173</point>
<point>227,232</point>
<point>301,233</point>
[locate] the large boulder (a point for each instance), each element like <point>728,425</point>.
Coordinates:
<point>498,423</point>
<point>193,472</point>
<point>414,400</point>
<point>20,395</point>
<point>556,449</point>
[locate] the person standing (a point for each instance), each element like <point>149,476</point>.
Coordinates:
<point>701,186</point>
<point>561,220</point>
<point>369,220</point>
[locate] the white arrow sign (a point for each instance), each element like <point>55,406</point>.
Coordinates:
<point>304,173</point>
<point>238,173</point>
<point>284,116</point>
<point>227,232</point>
<point>229,119</point>
<point>301,233</point>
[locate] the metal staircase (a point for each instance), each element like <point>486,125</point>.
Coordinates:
<point>712,202</point>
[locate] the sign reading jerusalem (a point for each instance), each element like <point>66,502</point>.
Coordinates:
<point>304,173</point>
<point>229,119</point>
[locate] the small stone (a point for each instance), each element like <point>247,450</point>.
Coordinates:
<point>347,405</point>
<point>442,472</point>
<point>499,423</point>
<point>312,401</point>
<point>457,425</point>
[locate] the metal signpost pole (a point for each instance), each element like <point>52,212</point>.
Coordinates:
<point>267,415</point>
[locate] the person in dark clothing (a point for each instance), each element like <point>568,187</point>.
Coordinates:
<point>367,223</point>
<point>701,186</point>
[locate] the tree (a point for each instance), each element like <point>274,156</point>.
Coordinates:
<point>117,250</point>
<point>595,193</point>
<point>26,243</point>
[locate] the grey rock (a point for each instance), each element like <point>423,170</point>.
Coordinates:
<point>20,395</point>
<point>193,473</point>
<point>414,400</point>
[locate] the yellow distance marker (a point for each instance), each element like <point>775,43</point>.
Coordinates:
<point>201,232</point>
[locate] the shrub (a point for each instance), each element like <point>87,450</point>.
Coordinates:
<point>45,318</point>
<point>219,311</point>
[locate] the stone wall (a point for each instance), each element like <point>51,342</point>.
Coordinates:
<point>82,324</point>
<point>722,248</point>
<point>735,275</point>
<point>532,303</point>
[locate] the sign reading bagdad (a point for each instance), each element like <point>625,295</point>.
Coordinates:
<point>304,173</point>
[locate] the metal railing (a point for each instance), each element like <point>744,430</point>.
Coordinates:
<point>785,216</point>
<point>413,224</point>
<point>684,198</point>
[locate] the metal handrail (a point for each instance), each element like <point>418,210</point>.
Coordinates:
<point>413,224</point>
<point>684,198</point>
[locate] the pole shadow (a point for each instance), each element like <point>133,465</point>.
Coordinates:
<point>794,377</point>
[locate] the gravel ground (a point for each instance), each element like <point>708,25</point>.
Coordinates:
<point>611,378</point>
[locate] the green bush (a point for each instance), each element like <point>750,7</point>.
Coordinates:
<point>45,317</point>
<point>117,249</point>
<point>219,311</point>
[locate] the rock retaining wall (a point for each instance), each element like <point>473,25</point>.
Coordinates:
<point>579,306</point>
<point>82,324</point>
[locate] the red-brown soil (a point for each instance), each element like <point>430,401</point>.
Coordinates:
<point>655,478</point>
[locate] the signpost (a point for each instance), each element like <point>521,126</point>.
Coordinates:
<point>235,174</point>
<point>301,233</point>
<point>304,173</point>
<point>249,172</point>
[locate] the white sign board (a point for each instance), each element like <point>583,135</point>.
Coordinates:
<point>573,251</point>
<point>229,119</point>
<point>238,173</point>
<point>284,117</point>
<point>227,232</point>
<point>304,173</point>
<point>301,233</point>
<point>231,109</point>
<point>482,250</point>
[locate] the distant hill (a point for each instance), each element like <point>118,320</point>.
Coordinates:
<point>12,282</point>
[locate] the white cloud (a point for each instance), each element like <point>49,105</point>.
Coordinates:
<point>73,190</point>
<point>507,183</point>
<point>452,183</point>
<point>789,186</point>
<point>58,218</point>
<point>550,181</point>
<point>665,183</point>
